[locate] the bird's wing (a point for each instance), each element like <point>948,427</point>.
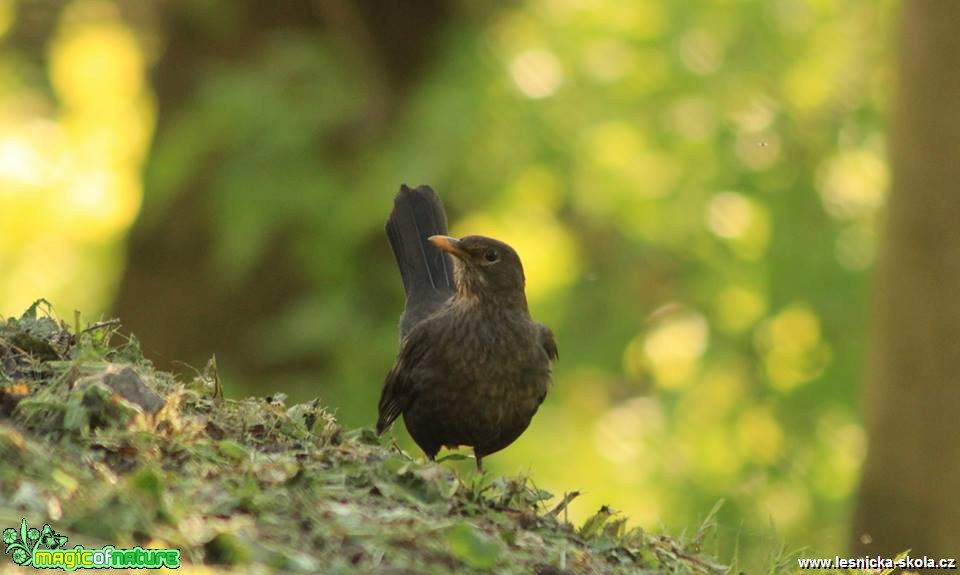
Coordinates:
<point>399,388</point>
<point>549,342</point>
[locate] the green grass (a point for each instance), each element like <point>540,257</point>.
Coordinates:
<point>108,450</point>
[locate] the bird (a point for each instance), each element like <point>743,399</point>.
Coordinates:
<point>473,366</point>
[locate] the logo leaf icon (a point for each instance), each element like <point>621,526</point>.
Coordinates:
<point>18,543</point>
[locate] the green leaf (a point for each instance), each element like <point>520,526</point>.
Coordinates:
<point>453,457</point>
<point>227,549</point>
<point>31,312</point>
<point>233,450</point>
<point>149,482</point>
<point>476,550</point>
<point>594,525</point>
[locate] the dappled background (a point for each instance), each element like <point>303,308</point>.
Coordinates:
<point>693,187</point>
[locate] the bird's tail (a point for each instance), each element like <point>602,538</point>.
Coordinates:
<point>426,271</point>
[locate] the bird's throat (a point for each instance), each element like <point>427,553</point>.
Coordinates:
<point>473,289</point>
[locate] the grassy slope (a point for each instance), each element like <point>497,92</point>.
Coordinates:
<point>88,448</point>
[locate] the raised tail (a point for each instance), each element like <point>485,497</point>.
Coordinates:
<point>427,272</point>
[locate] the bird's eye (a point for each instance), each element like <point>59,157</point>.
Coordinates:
<point>491,255</point>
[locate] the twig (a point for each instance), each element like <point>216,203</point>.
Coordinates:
<point>562,506</point>
<point>102,324</point>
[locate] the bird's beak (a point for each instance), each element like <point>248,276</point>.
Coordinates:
<point>449,245</point>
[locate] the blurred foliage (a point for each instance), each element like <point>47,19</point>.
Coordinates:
<point>692,187</point>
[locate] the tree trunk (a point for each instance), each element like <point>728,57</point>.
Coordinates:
<point>910,495</point>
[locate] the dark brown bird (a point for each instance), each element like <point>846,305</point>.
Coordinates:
<point>473,365</point>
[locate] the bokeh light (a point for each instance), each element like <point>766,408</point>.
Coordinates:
<point>70,169</point>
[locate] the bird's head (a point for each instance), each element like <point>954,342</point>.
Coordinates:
<point>484,267</point>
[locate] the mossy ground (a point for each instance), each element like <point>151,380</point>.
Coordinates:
<point>108,450</point>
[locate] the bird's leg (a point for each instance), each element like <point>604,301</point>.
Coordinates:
<point>479,459</point>
<point>396,446</point>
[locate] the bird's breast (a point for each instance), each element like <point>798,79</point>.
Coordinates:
<point>494,348</point>
<point>481,384</point>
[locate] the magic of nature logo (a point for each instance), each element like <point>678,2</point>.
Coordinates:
<point>44,549</point>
